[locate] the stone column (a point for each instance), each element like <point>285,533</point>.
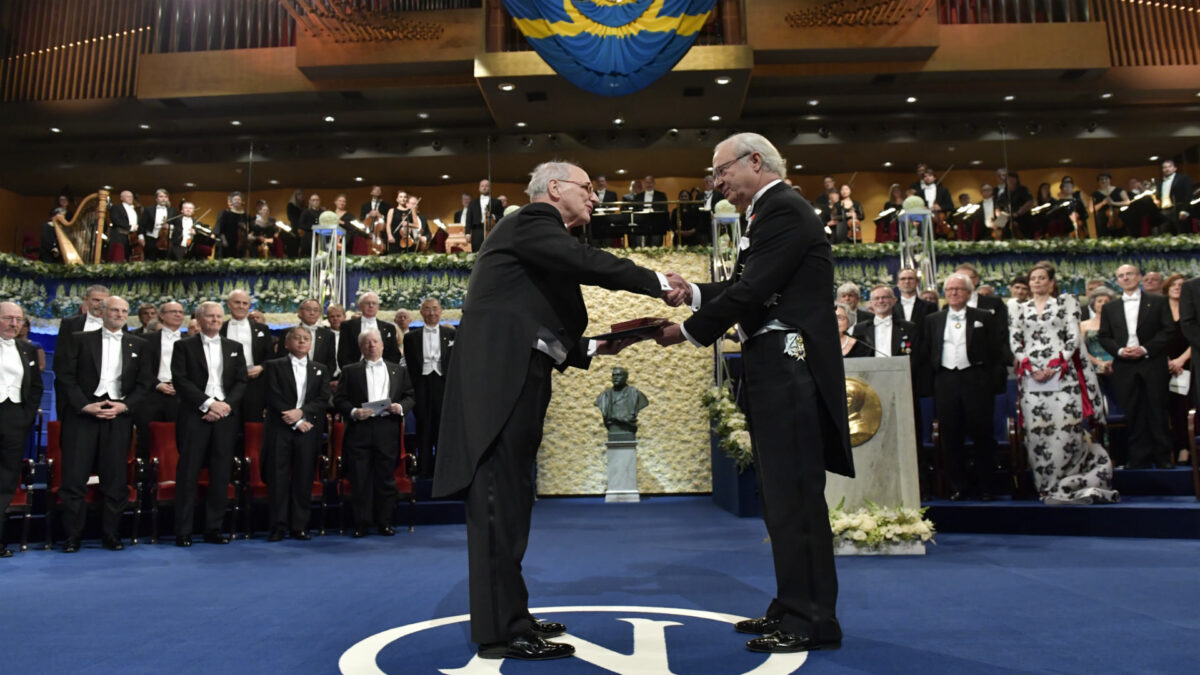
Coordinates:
<point>622,471</point>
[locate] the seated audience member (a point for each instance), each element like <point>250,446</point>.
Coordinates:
<point>297,397</point>
<point>1136,331</point>
<point>1089,328</point>
<point>1179,365</point>
<point>20,397</point>
<point>851,348</point>
<point>373,437</point>
<point>884,334</point>
<point>963,367</point>
<point>850,294</point>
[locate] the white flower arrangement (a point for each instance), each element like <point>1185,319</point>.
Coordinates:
<point>729,423</point>
<point>875,526</point>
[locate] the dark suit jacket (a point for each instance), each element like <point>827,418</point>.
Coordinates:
<point>152,352</point>
<point>903,337</point>
<point>79,372</point>
<point>261,344</point>
<point>475,212</point>
<point>1155,326</point>
<point>1181,192</point>
<point>920,310</point>
<point>352,393</point>
<point>146,225</point>
<point>31,382</point>
<point>323,351</point>
<point>995,306</point>
<point>1189,325</point>
<point>189,373</point>
<point>281,393</point>
<point>414,350</point>
<point>716,197</point>
<point>118,233</point>
<point>943,199</point>
<point>609,196</point>
<point>48,244</point>
<point>786,274</point>
<point>366,208</point>
<point>660,200</point>
<point>986,347</point>
<point>348,344</point>
<point>525,282</point>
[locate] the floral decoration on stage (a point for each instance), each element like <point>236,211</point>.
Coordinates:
<point>729,424</point>
<point>876,526</point>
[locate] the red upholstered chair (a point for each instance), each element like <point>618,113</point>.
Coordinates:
<point>255,489</point>
<point>22,501</point>
<point>404,470</point>
<point>135,477</point>
<point>164,458</point>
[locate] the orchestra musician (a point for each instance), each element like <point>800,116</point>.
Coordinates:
<point>602,192</point>
<point>309,219</point>
<point>232,229</point>
<point>345,218</point>
<point>848,214</point>
<point>482,209</point>
<point>1017,201</point>
<point>419,233</point>
<point>887,227</point>
<point>265,241</point>
<point>152,222</point>
<point>1174,199</point>
<point>123,224</point>
<point>652,200</point>
<point>397,216</point>
<point>291,240</point>
<point>371,213</point>
<point>1107,201</point>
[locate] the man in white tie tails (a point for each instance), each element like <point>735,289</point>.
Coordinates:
<point>162,402</point>
<point>255,339</point>
<point>964,368</point>
<point>89,319</point>
<point>20,396</point>
<point>885,334</point>
<point>154,222</point>
<point>427,356</point>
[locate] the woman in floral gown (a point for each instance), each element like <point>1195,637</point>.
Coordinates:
<point>1068,468</point>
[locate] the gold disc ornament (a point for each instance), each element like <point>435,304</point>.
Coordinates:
<point>866,412</point>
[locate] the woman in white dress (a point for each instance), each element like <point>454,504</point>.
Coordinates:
<point>1068,468</point>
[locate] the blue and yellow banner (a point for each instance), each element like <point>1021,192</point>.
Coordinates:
<point>610,47</point>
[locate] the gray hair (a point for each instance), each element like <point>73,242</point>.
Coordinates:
<point>849,287</point>
<point>96,288</point>
<point>542,174</point>
<point>206,304</point>
<point>366,334</point>
<point>746,143</point>
<point>964,277</point>
<point>845,308</point>
<point>1096,293</point>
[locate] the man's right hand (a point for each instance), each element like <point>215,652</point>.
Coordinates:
<point>360,413</point>
<point>681,290</point>
<point>166,388</point>
<point>221,408</point>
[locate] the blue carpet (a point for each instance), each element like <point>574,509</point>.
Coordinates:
<point>974,604</point>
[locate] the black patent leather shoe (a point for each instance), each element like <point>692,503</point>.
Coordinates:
<point>780,642</point>
<point>276,535</point>
<point>71,546</point>
<point>546,629</point>
<point>301,535</point>
<point>5,553</point>
<point>760,626</point>
<point>387,531</point>
<point>113,544</point>
<point>528,647</point>
<point>184,541</point>
<point>215,538</point>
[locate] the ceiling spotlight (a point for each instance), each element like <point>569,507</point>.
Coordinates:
<point>911,99</point>
<point>108,187</point>
<point>1153,158</point>
<point>520,125</point>
<point>812,118</point>
<point>976,162</point>
<point>673,131</point>
<point>618,121</point>
<point>189,184</point>
<point>715,118</point>
<point>55,130</point>
<point>358,179</point>
<point>621,172</point>
<point>723,80</point>
<point>797,166</point>
<point>273,182</point>
<point>813,101</point>
<point>1010,97</point>
<point>423,115</point>
<point>445,176</point>
<point>507,86</point>
<point>329,118</point>
<point>236,123</point>
<point>887,164</point>
<point>1065,160</point>
<point>143,125</point>
<point>1107,94</point>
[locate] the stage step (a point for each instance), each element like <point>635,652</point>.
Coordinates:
<point>1171,517</point>
<point>1154,482</point>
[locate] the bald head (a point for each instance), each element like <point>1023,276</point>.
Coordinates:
<point>114,312</point>
<point>11,318</point>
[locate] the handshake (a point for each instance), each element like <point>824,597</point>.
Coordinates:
<point>664,334</point>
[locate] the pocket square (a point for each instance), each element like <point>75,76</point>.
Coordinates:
<point>450,343</point>
<point>134,355</point>
<point>979,324</point>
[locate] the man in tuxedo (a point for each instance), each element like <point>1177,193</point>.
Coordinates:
<point>321,344</point>
<point>652,200</point>
<point>988,303</point>
<point>374,205</point>
<point>123,219</point>
<point>1189,323</point>
<point>911,308</point>
<point>255,339</point>
<point>297,397</point>
<point>427,356</point>
<point>936,196</point>
<point>1175,200</point>
<point>1136,331</point>
<point>711,196</point>
<point>90,318</point>
<point>158,221</point>
<point>461,213</point>
<point>885,334</point>
<point>48,240</point>
<point>368,318</point>
<point>373,437</point>
<point>162,401</point>
<point>479,210</point>
<point>209,373</point>
<point>524,314</point>
<point>963,366</point>
<point>146,312</point>
<point>105,377</point>
<point>183,231</point>
<point>335,316</point>
<point>20,396</point>
<point>850,294</point>
<point>795,385</point>
<point>605,195</point>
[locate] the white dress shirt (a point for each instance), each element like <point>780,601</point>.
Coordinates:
<point>883,337</point>
<point>186,223</point>
<point>131,213</point>
<point>1165,190</point>
<point>378,382</point>
<point>160,214</point>
<point>239,331</point>
<point>973,301</point>
<point>300,372</point>
<point>954,341</point>
<point>648,198</point>
<point>312,337</point>
<point>989,210</point>
<point>337,343</point>
<point>212,356</point>
<point>930,190</point>
<point>484,201</point>
<point>431,350</point>
<point>371,323</point>
<point>12,371</point>
<point>110,366</point>
<point>167,338</point>
<point>708,195</point>
<point>92,323</point>
<point>1131,303</point>
<point>906,306</point>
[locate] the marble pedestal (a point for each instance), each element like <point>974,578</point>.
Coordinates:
<point>622,472</point>
<point>886,464</point>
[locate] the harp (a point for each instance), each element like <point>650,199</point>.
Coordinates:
<point>81,239</point>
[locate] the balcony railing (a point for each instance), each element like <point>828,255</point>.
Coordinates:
<point>1012,11</point>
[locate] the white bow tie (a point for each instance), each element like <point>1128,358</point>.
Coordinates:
<point>171,334</point>
<point>239,322</point>
<point>1130,298</point>
<point>210,340</point>
<point>958,317</point>
<point>375,364</point>
<point>883,322</point>
<point>108,335</point>
<point>7,342</point>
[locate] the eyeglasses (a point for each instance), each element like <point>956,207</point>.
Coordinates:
<point>586,186</point>
<point>719,170</point>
